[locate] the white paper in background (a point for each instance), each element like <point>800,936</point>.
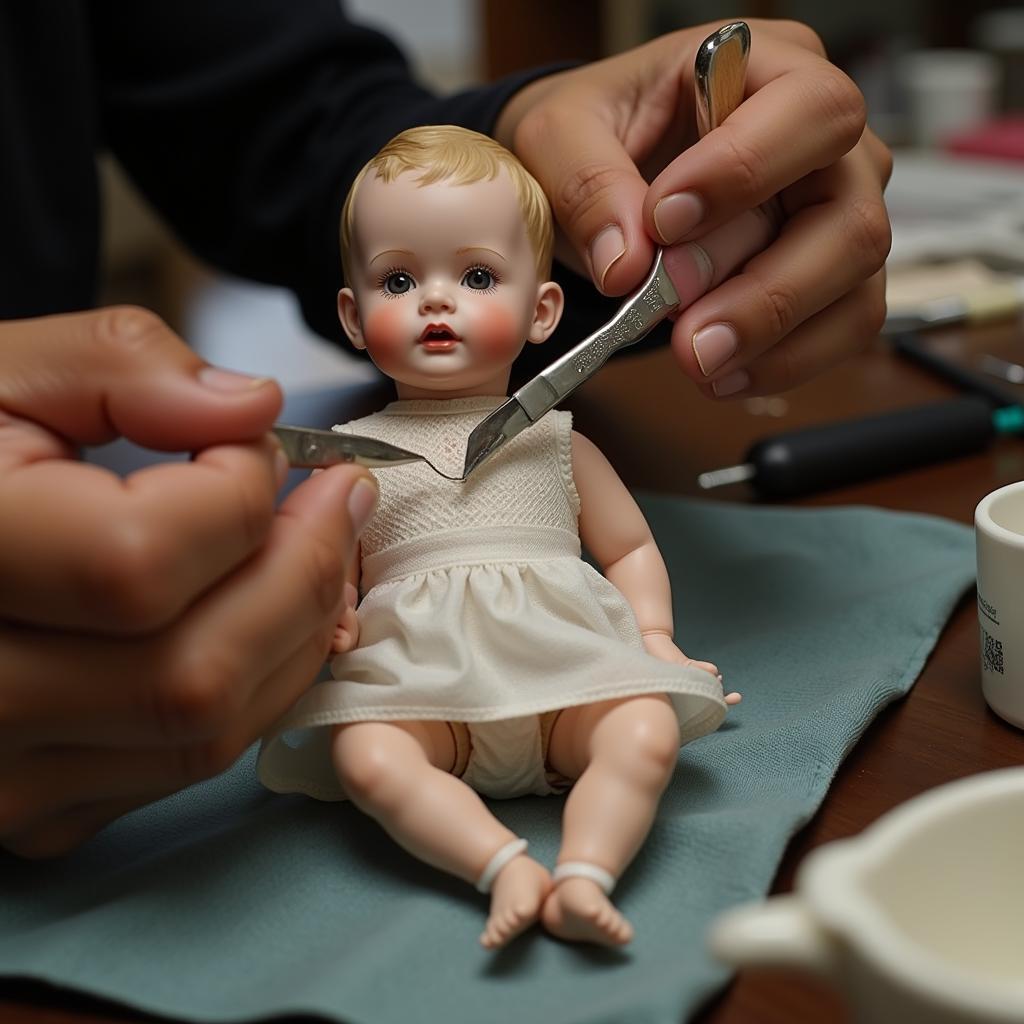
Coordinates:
<point>945,207</point>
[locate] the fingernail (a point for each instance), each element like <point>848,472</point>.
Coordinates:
<point>362,500</point>
<point>731,383</point>
<point>677,215</point>
<point>713,346</point>
<point>228,380</point>
<point>608,246</point>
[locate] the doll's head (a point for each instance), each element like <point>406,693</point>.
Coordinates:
<point>446,241</point>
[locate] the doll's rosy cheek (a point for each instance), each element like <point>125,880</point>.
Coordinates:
<point>497,334</point>
<point>386,329</point>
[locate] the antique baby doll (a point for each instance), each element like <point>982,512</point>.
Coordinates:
<point>487,658</point>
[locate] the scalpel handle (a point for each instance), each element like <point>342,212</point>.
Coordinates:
<point>647,307</point>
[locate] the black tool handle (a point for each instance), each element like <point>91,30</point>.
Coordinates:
<point>814,459</point>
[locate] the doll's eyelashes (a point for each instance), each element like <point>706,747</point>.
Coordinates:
<point>395,282</point>
<point>480,279</point>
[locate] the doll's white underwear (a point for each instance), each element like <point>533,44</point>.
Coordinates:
<point>507,758</point>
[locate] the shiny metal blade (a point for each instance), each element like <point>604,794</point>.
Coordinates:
<point>494,431</point>
<point>308,448</point>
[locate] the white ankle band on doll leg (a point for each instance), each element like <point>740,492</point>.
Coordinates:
<point>508,852</point>
<point>582,869</point>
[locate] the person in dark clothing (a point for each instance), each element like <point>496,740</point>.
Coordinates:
<point>138,617</point>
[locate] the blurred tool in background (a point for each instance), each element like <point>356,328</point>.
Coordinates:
<point>836,454</point>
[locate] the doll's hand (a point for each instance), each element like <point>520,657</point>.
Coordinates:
<point>346,632</point>
<point>662,646</point>
<point>792,179</point>
<point>152,627</point>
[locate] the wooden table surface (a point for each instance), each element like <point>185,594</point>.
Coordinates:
<point>660,434</point>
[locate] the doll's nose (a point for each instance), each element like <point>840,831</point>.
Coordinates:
<point>436,298</point>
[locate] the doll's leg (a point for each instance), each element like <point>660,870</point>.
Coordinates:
<point>622,754</point>
<point>399,774</point>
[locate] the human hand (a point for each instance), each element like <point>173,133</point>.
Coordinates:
<point>788,191</point>
<point>152,627</point>
<point>346,632</point>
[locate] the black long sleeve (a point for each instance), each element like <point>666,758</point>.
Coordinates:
<point>242,121</point>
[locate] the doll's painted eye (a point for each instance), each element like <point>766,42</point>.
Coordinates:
<point>478,278</point>
<point>398,283</point>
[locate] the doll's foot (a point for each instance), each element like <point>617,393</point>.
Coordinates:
<point>517,895</point>
<point>578,910</point>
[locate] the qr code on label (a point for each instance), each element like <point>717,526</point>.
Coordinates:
<point>991,653</point>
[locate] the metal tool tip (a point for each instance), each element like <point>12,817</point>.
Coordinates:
<point>728,475</point>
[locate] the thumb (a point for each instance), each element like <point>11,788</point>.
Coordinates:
<point>597,193</point>
<point>122,372</point>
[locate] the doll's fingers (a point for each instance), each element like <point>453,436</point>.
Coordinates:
<point>346,633</point>
<point>733,698</point>
<point>706,666</point>
<point>86,549</point>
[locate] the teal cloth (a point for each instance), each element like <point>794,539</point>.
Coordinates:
<point>227,902</point>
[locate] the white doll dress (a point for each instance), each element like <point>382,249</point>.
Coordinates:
<point>476,603</point>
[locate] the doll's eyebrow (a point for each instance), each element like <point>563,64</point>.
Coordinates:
<point>480,248</point>
<point>392,252</point>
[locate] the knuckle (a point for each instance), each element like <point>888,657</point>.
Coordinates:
<point>198,693</point>
<point>749,168</point>
<point>780,307</point>
<point>842,104</point>
<point>586,187</point>
<point>868,230</point>
<point>128,331</point>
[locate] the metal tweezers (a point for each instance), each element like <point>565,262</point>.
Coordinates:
<point>720,69</point>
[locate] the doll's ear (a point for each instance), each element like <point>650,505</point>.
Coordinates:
<point>547,312</point>
<point>348,314</point>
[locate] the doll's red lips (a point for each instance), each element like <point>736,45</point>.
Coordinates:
<point>439,338</point>
<point>438,333</point>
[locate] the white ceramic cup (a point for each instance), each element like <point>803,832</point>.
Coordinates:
<point>999,534</point>
<point>918,920</point>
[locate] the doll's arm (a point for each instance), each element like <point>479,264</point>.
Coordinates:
<point>615,532</point>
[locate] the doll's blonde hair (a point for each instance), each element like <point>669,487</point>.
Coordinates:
<point>449,153</point>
